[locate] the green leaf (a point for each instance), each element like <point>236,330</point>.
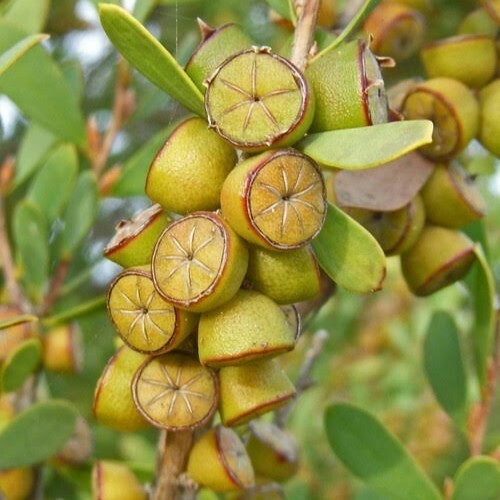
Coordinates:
<point>284,8</point>
<point>59,170</point>
<point>20,364</point>
<point>35,145</point>
<point>353,24</point>
<point>366,147</point>
<point>53,105</point>
<point>10,56</point>
<point>32,243</point>
<point>80,213</point>
<point>374,455</point>
<point>73,74</point>
<point>135,170</point>
<point>36,434</point>
<point>29,15</point>
<point>18,320</point>
<point>143,9</point>
<point>478,477</point>
<point>349,254</point>
<point>444,366</point>
<point>479,281</point>
<point>147,55</point>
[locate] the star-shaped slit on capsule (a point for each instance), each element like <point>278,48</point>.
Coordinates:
<point>175,389</point>
<point>188,258</point>
<point>289,198</point>
<point>143,313</point>
<point>253,99</point>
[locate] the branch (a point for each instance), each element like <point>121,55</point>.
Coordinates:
<point>80,310</point>
<point>55,287</point>
<point>478,417</point>
<point>16,295</point>
<point>173,452</point>
<point>304,380</point>
<point>304,31</point>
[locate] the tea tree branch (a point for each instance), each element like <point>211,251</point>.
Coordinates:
<point>55,287</point>
<point>14,291</point>
<point>307,11</point>
<point>304,379</point>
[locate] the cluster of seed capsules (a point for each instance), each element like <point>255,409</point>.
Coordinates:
<point>213,268</point>
<point>461,97</point>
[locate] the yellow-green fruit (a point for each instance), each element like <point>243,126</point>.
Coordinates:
<point>424,6</point>
<point>257,99</point>
<point>276,200</point>
<point>451,198</point>
<point>16,484</point>
<point>115,481</point>
<point>478,22</point>
<point>397,30</point>
<point>114,405</point>
<point>440,257</point>
<point>348,87</point>
<point>274,452</point>
<point>471,59</point>
<point>219,461</point>
<point>251,390</point>
<point>285,277</point>
<point>134,240</point>
<point>327,13</point>
<point>489,127</point>
<point>199,262</point>
<point>144,320</point>
<point>215,47</point>
<point>188,171</point>
<point>63,349</point>
<point>247,327</point>
<point>396,231</point>
<point>452,108</point>
<point>175,392</point>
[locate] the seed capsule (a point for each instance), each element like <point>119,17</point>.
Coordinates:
<point>219,461</point>
<point>257,99</point>
<point>143,319</point>
<point>348,87</point>
<point>199,262</point>
<point>175,392</point>
<point>276,199</point>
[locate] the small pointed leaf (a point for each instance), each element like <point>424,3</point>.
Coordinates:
<point>349,254</point>
<point>59,170</point>
<point>32,243</point>
<point>53,105</point>
<point>80,213</point>
<point>444,366</point>
<point>20,364</point>
<point>18,320</point>
<point>36,434</point>
<point>366,147</point>
<point>133,177</point>
<point>35,145</point>
<point>479,281</point>
<point>374,455</point>
<point>10,56</point>
<point>478,477</point>
<point>29,15</point>
<point>141,49</point>
<point>73,74</point>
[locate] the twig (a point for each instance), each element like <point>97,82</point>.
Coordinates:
<point>173,453</point>
<point>119,114</point>
<point>75,312</point>
<point>16,295</point>
<point>478,417</point>
<point>304,31</point>
<point>55,287</point>
<point>304,380</point>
